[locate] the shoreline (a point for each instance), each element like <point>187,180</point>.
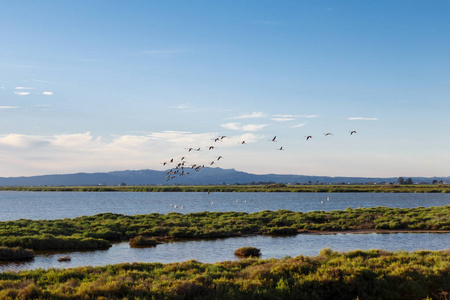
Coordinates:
<point>369,231</point>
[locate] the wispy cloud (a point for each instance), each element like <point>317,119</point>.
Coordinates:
<point>253,115</point>
<point>247,127</point>
<point>232,126</point>
<point>22,93</point>
<point>298,116</point>
<point>181,106</point>
<point>362,118</point>
<point>253,127</point>
<point>43,81</point>
<point>9,107</point>
<point>279,119</point>
<point>47,93</point>
<point>298,125</point>
<point>24,88</point>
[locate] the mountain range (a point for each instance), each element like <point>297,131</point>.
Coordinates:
<point>206,176</point>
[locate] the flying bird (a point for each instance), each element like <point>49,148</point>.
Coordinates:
<point>273,140</point>
<point>308,137</point>
<point>328,133</point>
<point>352,132</point>
<point>281,148</point>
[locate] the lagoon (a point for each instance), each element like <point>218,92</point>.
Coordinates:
<point>216,250</point>
<point>59,205</point>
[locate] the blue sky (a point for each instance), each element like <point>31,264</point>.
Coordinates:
<point>93,86</point>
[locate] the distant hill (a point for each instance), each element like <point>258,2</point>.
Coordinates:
<point>206,176</point>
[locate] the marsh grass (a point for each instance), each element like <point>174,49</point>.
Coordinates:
<point>16,253</point>
<point>98,231</point>
<point>358,274</point>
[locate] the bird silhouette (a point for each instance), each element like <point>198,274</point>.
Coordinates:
<point>352,132</point>
<point>308,137</point>
<point>328,133</point>
<point>281,148</point>
<point>273,140</point>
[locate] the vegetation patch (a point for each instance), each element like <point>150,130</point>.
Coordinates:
<point>248,252</point>
<point>98,231</point>
<point>16,253</point>
<point>369,275</point>
<point>142,241</point>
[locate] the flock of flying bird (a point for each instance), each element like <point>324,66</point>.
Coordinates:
<point>182,168</point>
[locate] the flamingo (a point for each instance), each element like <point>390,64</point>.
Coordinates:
<point>328,133</point>
<point>352,132</point>
<point>273,140</point>
<point>308,137</point>
<point>243,142</point>
<point>281,148</point>
<point>219,157</point>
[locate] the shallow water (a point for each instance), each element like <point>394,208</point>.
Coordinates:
<point>59,205</point>
<point>210,251</point>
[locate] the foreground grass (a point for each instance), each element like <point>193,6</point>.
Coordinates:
<point>419,188</point>
<point>94,232</point>
<point>371,274</point>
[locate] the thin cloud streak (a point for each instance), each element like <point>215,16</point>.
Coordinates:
<point>298,116</point>
<point>253,115</point>
<point>22,93</point>
<point>298,125</point>
<point>253,127</point>
<point>9,107</point>
<point>282,119</point>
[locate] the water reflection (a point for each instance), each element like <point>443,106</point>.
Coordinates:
<point>223,249</point>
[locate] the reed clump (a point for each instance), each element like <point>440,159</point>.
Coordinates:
<point>143,241</point>
<point>248,252</point>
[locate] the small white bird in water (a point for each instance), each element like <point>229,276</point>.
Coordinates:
<point>328,198</point>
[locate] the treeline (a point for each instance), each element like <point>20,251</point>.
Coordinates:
<point>368,275</point>
<point>91,232</point>
<point>278,187</point>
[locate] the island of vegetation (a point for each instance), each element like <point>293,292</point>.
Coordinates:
<point>368,275</point>
<point>270,188</point>
<point>98,231</point>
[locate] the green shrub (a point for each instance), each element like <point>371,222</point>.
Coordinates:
<point>248,252</point>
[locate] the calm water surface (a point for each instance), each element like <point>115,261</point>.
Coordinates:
<point>223,249</point>
<point>59,205</point>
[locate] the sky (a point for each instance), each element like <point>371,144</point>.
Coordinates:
<point>99,86</point>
